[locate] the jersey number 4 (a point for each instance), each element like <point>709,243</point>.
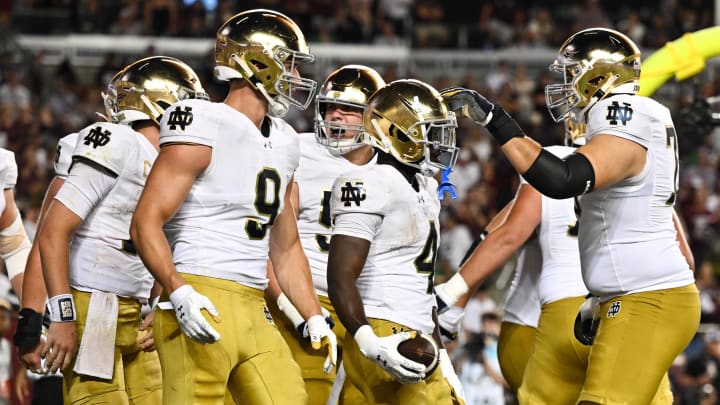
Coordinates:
<point>267,202</point>
<point>425,262</point>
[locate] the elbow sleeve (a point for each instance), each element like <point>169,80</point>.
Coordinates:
<point>561,178</point>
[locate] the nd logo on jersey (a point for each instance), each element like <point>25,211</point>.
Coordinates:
<point>180,118</point>
<point>619,112</point>
<point>353,193</point>
<point>96,137</point>
<point>614,309</point>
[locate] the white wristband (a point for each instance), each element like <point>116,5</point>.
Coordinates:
<point>452,290</point>
<point>366,339</point>
<point>62,308</point>
<point>287,308</point>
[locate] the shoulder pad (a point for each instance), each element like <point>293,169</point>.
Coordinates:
<point>190,121</point>
<point>106,144</point>
<point>359,191</point>
<point>63,154</point>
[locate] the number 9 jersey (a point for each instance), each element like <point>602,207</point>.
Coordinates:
<point>378,204</point>
<point>222,228</point>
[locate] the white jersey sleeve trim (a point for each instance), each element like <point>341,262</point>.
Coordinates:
<point>84,188</point>
<point>357,225</point>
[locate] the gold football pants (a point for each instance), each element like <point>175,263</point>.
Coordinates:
<point>136,374</point>
<point>251,359</point>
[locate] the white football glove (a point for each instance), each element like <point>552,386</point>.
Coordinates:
<point>321,336</point>
<point>448,371</point>
<point>450,320</point>
<point>188,304</point>
<point>383,351</point>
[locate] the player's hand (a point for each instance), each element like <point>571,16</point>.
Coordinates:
<point>30,357</point>
<point>61,346</point>
<point>188,305</point>
<point>468,103</point>
<point>587,321</point>
<point>450,320</point>
<point>147,342</point>
<point>321,337</point>
<point>383,351</point>
<point>448,371</point>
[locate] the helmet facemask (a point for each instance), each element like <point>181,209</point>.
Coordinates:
<point>331,133</point>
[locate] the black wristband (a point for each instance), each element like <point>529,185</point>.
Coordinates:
<point>29,328</point>
<point>503,127</point>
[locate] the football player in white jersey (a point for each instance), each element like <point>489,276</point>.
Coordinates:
<point>384,244</point>
<point>627,176</point>
<point>337,145</point>
<point>94,277</point>
<point>34,297</point>
<point>212,214</point>
<point>14,243</point>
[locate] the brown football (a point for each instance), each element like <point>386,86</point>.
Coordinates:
<point>422,349</point>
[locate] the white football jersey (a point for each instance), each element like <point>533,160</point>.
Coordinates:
<point>8,174</point>
<point>522,303</point>
<point>627,239</point>
<point>101,256</point>
<point>557,234</point>
<point>63,154</point>
<point>315,175</point>
<point>222,228</point>
<point>396,282</point>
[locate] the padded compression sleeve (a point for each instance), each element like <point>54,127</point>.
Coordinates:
<point>561,178</point>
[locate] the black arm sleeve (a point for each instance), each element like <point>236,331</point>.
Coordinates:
<point>561,178</point>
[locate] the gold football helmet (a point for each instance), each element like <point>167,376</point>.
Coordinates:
<point>265,48</point>
<point>594,63</point>
<point>144,89</point>
<point>409,120</point>
<point>348,86</point>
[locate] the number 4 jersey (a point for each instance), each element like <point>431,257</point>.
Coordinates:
<point>378,204</point>
<point>627,239</point>
<point>222,228</point>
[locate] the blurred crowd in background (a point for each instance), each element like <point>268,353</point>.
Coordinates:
<point>39,103</point>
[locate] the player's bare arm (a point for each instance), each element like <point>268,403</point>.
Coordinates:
<point>14,243</point>
<point>514,225</point>
<point>34,293</point>
<point>290,263</point>
<point>173,174</point>
<point>346,259</point>
<point>54,242</point>
<point>682,240</point>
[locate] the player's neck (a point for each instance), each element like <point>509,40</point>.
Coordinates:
<point>407,171</point>
<point>360,156</point>
<point>247,100</point>
<point>149,130</point>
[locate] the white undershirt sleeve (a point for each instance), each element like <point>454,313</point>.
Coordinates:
<point>84,188</point>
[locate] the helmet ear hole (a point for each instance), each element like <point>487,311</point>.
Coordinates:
<point>398,133</point>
